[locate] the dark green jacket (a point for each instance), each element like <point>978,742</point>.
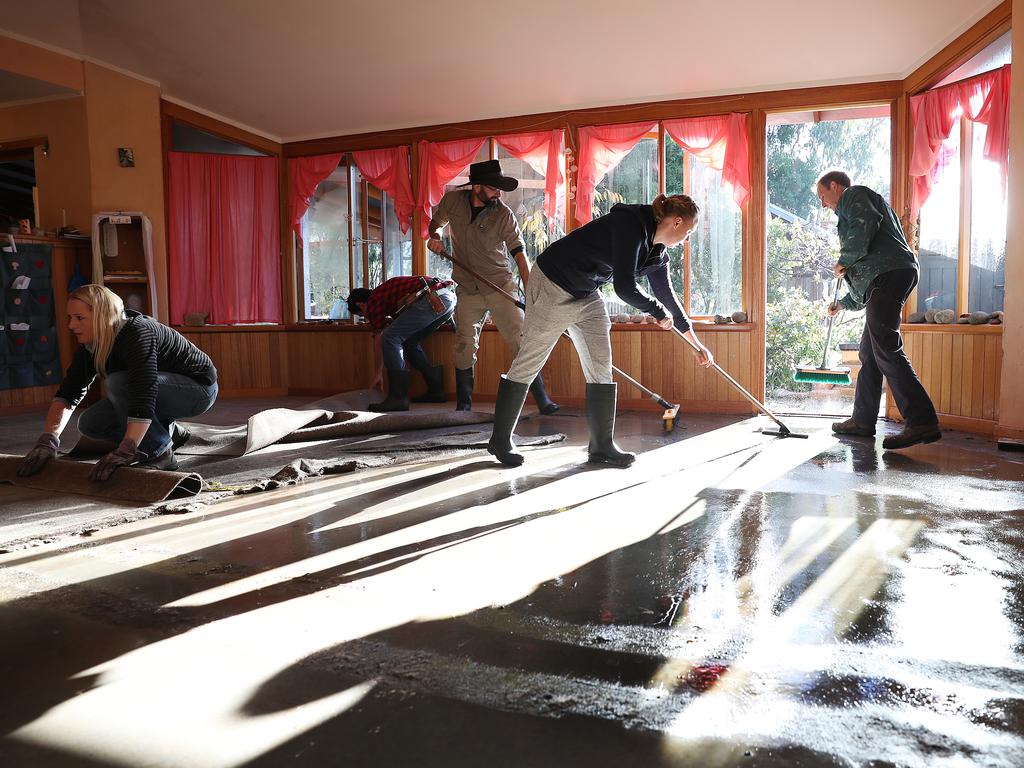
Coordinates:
<point>871,242</point>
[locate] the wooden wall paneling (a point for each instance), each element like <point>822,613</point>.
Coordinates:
<point>967,374</point>
<point>992,373</point>
<point>978,401</point>
<point>628,357</point>
<point>956,372</point>
<point>946,373</point>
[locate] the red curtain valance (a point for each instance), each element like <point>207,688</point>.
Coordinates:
<point>720,142</point>
<point>224,234</point>
<point>440,162</point>
<point>304,174</point>
<point>602,147</point>
<point>388,169</point>
<point>542,150</point>
<point>982,99</point>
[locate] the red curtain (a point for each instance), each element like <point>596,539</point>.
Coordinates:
<point>440,162</point>
<point>602,147</point>
<point>542,151</point>
<point>982,99</point>
<point>224,237</point>
<point>388,169</point>
<point>304,174</point>
<point>721,143</point>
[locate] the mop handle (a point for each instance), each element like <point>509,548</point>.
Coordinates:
<point>828,335</point>
<point>653,395</point>
<point>735,383</point>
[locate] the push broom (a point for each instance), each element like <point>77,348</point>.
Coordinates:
<point>823,374</point>
<point>671,413</point>
<point>782,431</point>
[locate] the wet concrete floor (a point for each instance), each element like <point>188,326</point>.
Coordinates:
<point>730,600</point>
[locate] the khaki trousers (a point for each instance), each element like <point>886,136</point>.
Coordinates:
<point>470,313</point>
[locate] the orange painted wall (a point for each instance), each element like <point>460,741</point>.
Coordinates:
<point>1011,404</point>
<point>62,177</point>
<point>32,61</point>
<point>124,112</point>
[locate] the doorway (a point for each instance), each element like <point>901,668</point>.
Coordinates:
<point>802,247</point>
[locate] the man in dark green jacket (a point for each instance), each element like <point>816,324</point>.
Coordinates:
<point>880,271</point>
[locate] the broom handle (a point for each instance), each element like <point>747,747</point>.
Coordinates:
<point>651,394</point>
<point>828,336</point>
<point>739,387</point>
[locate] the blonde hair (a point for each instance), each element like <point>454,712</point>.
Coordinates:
<point>675,205</point>
<point>107,319</point>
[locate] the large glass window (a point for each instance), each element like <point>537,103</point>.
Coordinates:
<point>803,246</point>
<point>527,203</point>
<point>326,252</point>
<point>988,230</point>
<point>633,180</point>
<point>350,238</point>
<point>939,232</point>
<point>962,226</point>
<point>710,273</point>
<point>439,266</point>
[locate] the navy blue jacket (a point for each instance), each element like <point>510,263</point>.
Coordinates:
<point>617,248</point>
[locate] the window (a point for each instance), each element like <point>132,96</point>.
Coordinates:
<point>962,225</point>
<point>939,239</point>
<point>326,255</point>
<point>527,203</point>
<point>350,238</point>
<point>438,266</point>
<point>634,180</point>
<point>709,277</point>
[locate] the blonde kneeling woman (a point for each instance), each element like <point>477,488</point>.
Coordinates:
<point>152,375</point>
<point>627,243</point>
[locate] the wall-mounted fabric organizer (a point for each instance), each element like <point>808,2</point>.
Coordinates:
<point>29,351</point>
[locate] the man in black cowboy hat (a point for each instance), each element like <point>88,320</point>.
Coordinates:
<point>482,228</point>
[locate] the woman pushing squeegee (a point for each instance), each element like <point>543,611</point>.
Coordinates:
<point>563,295</point>
<point>671,413</point>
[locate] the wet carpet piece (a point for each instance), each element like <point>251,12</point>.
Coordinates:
<point>339,416</point>
<point>128,484</point>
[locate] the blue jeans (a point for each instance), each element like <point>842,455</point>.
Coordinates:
<point>177,396</point>
<point>411,326</point>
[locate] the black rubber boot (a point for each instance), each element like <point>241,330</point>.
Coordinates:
<point>398,393</point>
<point>601,420</point>
<point>179,435</point>
<point>463,389</point>
<point>546,405</point>
<point>434,376</point>
<point>511,396</point>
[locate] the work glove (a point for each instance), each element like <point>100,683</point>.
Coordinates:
<point>39,457</point>
<point>126,453</point>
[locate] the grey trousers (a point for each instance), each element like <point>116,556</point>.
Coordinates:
<point>549,311</point>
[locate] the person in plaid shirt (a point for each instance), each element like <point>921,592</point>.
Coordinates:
<point>403,311</point>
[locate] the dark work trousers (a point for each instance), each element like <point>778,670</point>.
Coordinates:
<point>881,354</point>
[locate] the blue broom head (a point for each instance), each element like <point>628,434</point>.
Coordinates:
<point>811,374</point>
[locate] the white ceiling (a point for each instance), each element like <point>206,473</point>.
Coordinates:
<point>313,68</point>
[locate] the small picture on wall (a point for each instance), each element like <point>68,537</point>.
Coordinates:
<point>126,157</point>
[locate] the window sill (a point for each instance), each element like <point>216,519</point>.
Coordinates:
<point>951,328</point>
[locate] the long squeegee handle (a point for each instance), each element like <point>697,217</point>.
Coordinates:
<point>739,387</point>
<point>653,395</point>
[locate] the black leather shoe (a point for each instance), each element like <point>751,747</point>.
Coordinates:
<point>179,436</point>
<point>928,433</point>
<point>852,428</point>
<point>165,461</point>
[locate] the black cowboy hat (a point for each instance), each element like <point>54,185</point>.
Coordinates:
<point>489,174</point>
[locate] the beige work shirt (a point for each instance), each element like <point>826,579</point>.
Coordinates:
<point>483,244</point>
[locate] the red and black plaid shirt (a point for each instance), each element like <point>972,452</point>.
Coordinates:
<point>387,297</point>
